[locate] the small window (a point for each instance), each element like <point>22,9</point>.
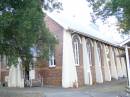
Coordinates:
<point>51,58</point>
<point>76,49</point>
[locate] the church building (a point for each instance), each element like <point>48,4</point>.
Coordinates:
<point>81,59</point>
<point>78,59</point>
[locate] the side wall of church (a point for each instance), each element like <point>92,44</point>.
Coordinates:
<point>106,62</point>
<point>53,75</point>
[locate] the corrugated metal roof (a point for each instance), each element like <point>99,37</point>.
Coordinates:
<point>90,30</point>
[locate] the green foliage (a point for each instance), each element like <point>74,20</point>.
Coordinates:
<point>51,5</point>
<point>12,60</point>
<point>22,27</point>
<point>119,8</point>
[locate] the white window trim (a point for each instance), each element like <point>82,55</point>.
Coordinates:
<point>89,54</point>
<point>99,52</point>
<point>107,52</point>
<point>51,59</point>
<point>76,52</point>
<point>76,44</point>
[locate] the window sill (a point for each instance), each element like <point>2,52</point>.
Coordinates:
<point>52,66</point>
<point>77,65</point>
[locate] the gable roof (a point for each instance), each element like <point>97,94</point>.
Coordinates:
<point>125,42</point>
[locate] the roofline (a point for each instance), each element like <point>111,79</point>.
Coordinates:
<point>87,35</point>
<point>125,42</point>
<point>60,24</point>
<point>93,37</point>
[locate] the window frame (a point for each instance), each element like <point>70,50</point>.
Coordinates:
<point>107,51</point>
<point>99,48</point>
<point>76,41</point>
<point>51,61</point>
<point>89,50</point>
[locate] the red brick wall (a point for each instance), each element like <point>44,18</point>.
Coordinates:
<point>4,72</point>
<point>79,68</point>
<point>53,76</point>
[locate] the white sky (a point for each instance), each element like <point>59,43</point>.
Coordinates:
<point>77,11</point>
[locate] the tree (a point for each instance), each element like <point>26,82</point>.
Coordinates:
<point>50,5</point>
<point>119,8</point>
<point>22,27</point>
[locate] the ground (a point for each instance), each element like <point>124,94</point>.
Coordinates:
<point>108,89</point>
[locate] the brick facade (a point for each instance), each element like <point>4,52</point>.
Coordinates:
<point>53,75</point>
<point>4,72</point>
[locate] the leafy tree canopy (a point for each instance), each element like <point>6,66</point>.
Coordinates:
<point>119,8</point>
<point>22,27</point>
<point>50,5</point>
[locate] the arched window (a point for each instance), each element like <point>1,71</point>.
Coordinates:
<point>89,50</point>
<point>99,51</point>
<point>107,53</point>
<point>76,48</point>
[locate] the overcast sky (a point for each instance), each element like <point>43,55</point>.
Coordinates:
<point>77,11</point>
